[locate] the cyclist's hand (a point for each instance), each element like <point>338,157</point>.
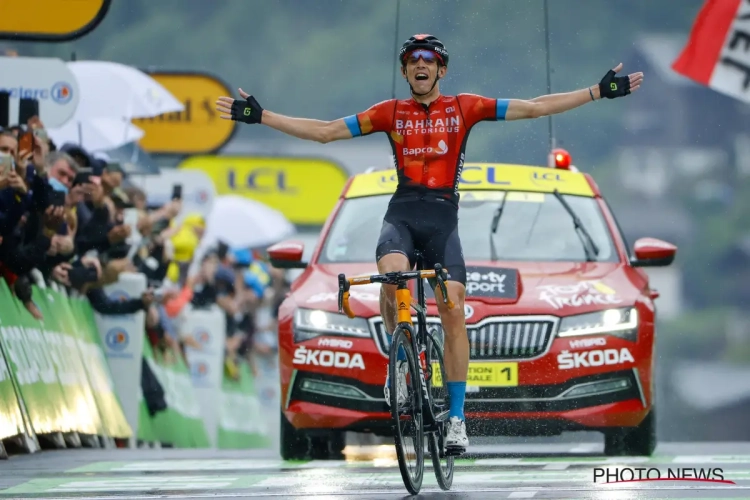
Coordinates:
<point>247,111</point>
<point>613,86</point>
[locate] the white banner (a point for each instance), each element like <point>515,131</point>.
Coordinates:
<point>123,337</point>
<point>208,328</point>
<point>47,80</point>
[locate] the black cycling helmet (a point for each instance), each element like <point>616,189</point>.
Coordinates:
<point>426,42</point>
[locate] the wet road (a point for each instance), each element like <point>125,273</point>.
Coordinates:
<point>511,471</point>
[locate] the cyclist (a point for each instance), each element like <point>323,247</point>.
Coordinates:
<point>428,135</point>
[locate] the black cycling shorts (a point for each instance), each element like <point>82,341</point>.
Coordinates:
<point>430,227</point>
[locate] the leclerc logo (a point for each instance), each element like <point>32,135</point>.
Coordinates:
<point>59,92</point>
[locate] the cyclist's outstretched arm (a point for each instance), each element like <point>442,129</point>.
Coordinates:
<point>610,86</point>
<point>306,128</point>
<point>249,111</point>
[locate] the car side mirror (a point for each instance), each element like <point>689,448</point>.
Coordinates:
<point>652,252</point>
<point>287,255</point>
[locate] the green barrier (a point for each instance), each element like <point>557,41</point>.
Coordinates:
<point>31,366</point>
<point>58,366</point>
<point>54,377</point>
<point>11,420</point>
<point>241,423</point>
<point>181,424</point>
<point>59,331</point>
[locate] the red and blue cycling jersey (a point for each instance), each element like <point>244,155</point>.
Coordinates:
<point>428,142</point>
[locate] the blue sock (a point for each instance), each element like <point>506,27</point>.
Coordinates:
<point>457,393</point>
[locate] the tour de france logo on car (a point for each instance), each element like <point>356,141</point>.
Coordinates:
<point>61,92</point>
<point>117,339</point>
<point>582,293</point>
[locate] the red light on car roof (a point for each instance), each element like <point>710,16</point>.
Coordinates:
<point>561,158</point>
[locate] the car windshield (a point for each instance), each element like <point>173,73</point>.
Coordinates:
<point>532,227</point>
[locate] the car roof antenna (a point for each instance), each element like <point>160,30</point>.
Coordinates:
<point>551,130</point>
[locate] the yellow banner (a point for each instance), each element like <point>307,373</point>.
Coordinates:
<point>492,374</point>
<point>305,190</point>
<point>196,130</point>
<point>485,176</point>
<point>50,20</point>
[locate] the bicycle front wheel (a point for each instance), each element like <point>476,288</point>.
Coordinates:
<point>440,404</point>
<point>406,411</point>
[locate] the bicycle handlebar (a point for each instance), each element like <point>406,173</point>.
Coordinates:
<point>394,278</point>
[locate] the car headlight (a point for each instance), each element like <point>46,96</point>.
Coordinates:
<point>311,323</point>
<point>621,322</point>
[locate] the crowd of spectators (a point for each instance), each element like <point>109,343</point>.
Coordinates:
<point>72,218</point>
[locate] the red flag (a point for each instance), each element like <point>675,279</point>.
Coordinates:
<point>717,54</point>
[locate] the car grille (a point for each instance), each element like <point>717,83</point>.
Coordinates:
<point>519,337</point>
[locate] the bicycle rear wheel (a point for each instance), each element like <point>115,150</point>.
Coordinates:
<point>440,404</point>
<point>407,416</point>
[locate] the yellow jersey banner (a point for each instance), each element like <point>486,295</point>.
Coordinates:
<point>50,20</point>
<point>198,129</point>
<point>485,176</point>
<point>305,190</point>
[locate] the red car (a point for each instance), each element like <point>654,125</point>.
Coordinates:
<point>559,313</point>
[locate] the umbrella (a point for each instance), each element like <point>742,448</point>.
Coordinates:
<point>244,223</point>
<point>113,89</point>
<point>97,134</point>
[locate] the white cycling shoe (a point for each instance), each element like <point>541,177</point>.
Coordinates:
<point>402,392</point>
<point>456,440</point>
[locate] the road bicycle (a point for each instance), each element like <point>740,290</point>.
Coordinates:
<point>425,409</point>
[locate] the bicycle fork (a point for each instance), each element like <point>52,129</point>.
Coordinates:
<point>403,301</point>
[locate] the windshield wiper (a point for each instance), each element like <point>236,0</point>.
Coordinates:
<point>493,228</point>
<point>589,247</point>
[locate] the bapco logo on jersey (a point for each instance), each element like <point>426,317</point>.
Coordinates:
<point>441,149</point>
<point>337,359</point>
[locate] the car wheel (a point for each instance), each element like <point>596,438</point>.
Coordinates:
<point>293,444</point>
<point>632,441</point>
<point>328,448</point>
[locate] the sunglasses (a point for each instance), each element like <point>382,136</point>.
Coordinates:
<point>426,55</point>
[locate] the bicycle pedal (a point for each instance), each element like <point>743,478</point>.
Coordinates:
<point>454,451</point>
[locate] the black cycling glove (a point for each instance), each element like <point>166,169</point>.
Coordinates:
<point>248,111</point>
<point>613,86</point>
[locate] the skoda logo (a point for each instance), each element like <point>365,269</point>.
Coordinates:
<point>468,311</point>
